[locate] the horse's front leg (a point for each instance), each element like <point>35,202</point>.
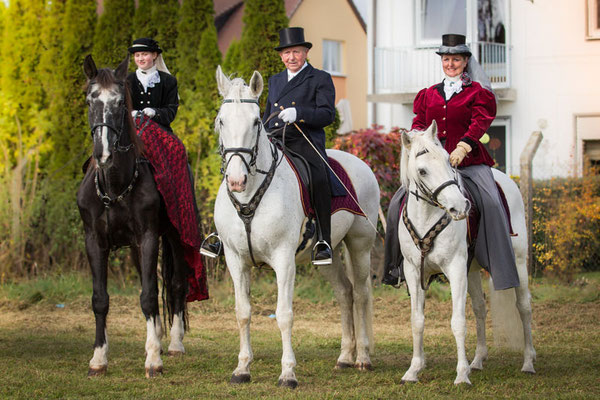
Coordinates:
<point>148,256</point>
<point>524,307</point>
<point>240,274</point>
<point>458,286</point>
<point>98,259</point>
<point>417,319</point>
<point>286,273</point>
<point>478,303</point>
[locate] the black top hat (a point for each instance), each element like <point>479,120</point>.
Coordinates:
<point>145,44</point>
<point>289,37</point>
<point>453,43</point>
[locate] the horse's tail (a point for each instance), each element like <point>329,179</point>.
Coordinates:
<point>368,319</point>
<point>168,277</point>
<point>506,321</point>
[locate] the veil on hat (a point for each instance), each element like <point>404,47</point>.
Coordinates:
<point>477,74</point>
<point>160,64</point>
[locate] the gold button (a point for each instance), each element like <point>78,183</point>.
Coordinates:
<point>275,104</point>
<point>443,119</point>
<point>444,132</point>
<point>293,103</point>
<point>302,120</point>
<point>276,123</point>
<point>444,106</point>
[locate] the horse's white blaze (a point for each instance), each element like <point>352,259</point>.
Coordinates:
<point>177,333</point>
<point>152,345</point>
<point>100,357</point>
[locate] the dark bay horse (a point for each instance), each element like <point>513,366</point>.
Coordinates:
<point>121,206</point>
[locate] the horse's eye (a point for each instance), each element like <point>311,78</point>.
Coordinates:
<point>422,172</point>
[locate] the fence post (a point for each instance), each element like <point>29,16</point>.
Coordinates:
<point>526,186</point>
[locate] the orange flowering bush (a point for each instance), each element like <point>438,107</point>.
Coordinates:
<point>566,226</point>
<point>381,151</point>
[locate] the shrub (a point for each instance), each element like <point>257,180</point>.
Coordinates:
<point>566,226</point>
<point>381,151</point>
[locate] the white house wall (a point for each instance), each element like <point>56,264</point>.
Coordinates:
<point>555,73</point>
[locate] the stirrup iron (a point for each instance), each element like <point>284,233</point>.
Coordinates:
<point>208,253</point>
<point>326,261</point>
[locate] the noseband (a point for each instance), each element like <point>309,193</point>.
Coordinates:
<point>430,196</point>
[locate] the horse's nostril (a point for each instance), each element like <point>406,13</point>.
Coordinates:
<point>453,210</point>
<point>245,179</point>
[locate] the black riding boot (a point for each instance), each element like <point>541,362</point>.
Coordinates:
<point>393,272</point>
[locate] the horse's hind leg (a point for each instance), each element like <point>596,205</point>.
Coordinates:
<point>360,258</point>
<point>148,255</point>
<point>478,303</point>
<point>98,259</point>
<point>342,288</point>
<point>175,270</point>
<point>524,307</point>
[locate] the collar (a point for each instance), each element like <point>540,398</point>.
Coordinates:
<point>148,71</point>
<point>291,75</point>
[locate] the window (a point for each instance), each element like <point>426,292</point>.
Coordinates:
<point>332,56</point>
<point>437,17</point>
<point>593,19</point>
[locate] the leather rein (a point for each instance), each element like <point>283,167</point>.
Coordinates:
<point>425,243</point>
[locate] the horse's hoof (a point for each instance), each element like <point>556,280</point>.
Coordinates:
<point>98,371</point>
<point>243,378</point>
<point>343,365</point>
<point>403,381</point>
<point>529,372</point>
<point>363,366</point>
<point>175,353</point>
<point>288,383</point>
<point>153,372</point>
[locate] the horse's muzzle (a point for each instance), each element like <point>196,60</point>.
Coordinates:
<point>237,185</point>
<point>457,215</point>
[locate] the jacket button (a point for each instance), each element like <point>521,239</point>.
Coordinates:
<point>443,119</point>
<point>444,106</point>
<point>293,103</point>
<point>148,102</point>
<point>276,123</point>
<point>302,120</point>
<point>141,102</point>
<point>275,104</point>
<point>444,132</point>
<point>141,92</point>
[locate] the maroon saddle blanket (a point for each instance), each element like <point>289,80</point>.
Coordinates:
<point>167,155</point>
<point>338,203</point>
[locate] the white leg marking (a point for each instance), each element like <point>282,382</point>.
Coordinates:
<point>177,332</point>
<point>100,358</point>
<point>152,346</point>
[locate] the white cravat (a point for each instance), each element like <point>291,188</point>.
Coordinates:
<point>452,85</point>
<point>291,75</point>
<point>148,78</point>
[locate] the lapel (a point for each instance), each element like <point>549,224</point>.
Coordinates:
<point>295,82</point>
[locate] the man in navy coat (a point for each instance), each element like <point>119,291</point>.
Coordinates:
<point>304,95</point>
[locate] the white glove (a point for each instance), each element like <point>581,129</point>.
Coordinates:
<point>288,115</point>
<point>150,112</point>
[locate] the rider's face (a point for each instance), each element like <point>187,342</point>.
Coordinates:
<point>294,57</point>
<point>144,59</point>
<point>454,64</point>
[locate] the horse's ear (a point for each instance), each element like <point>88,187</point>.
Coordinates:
<point>89,67</point>
<point>223,83</point>
<point>121,71</point>
<point>433,129</point>
<point>256,84</point>
<point>406,140</point>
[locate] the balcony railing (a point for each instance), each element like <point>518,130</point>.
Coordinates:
<point>410,69</point>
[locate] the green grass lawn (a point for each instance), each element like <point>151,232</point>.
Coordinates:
<point>47,334</point>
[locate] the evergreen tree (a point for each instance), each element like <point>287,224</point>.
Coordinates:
<point>263,19</point>
<point>165,16</point>
<point>143,25</point>
<point>231,63</point>
<point>194,17</point>
<point>113,32</point>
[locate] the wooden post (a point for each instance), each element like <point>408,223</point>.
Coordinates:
<point>526,186</point>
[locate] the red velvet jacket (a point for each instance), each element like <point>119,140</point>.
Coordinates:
<point>466,116</point>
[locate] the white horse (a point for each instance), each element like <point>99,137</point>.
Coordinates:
<point>276,231</point>
<point>425,170</point>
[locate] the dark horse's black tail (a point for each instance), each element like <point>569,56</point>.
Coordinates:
<point>174,283</point>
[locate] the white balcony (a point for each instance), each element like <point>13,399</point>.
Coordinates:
<point>400,72</point>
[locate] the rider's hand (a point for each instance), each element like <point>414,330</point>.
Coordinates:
<point>150,112</point>
<point>288,115</point>
<point>459,154</point>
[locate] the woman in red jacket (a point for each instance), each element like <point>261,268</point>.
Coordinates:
<point>464,106</point>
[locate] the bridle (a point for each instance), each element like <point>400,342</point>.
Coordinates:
<point>240,151</point>
<point>428,195</point>
<point>119,132</point>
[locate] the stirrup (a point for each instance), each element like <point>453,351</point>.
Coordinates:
<point>325,261</point>
<point>208,252</point>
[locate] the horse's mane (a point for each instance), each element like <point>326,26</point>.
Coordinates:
<point>106,80</point>
<point>419,142</point>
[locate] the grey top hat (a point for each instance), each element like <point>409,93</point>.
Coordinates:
<point>290,37</point>
<point>453,43</point>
